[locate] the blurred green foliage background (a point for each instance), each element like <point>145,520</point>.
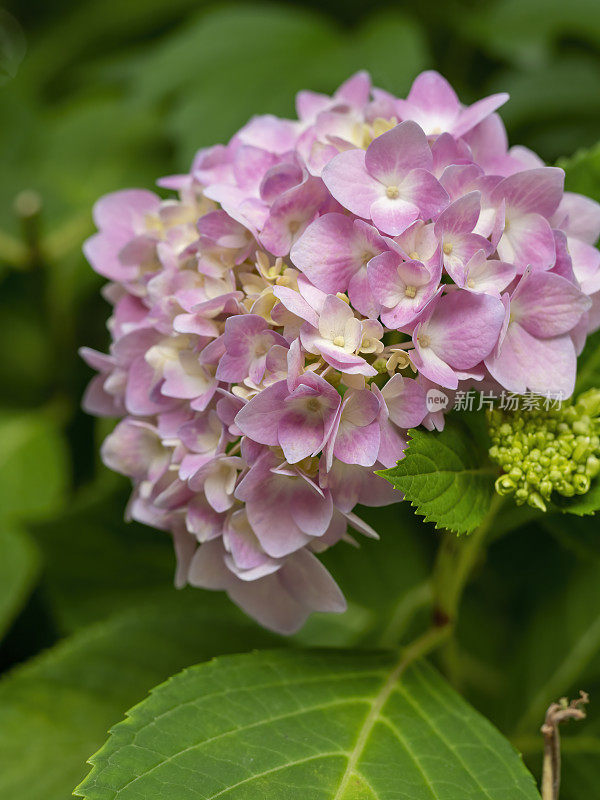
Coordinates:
<point>98,95</point>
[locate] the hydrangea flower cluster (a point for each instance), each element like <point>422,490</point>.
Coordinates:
<point>278,322</point>
<point>547,450</point>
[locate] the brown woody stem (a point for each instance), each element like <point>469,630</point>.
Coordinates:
<point>557,713</point>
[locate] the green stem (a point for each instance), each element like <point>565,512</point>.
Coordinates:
<point>454,564</point>
<point>407,606</point>
<point>424,644</point>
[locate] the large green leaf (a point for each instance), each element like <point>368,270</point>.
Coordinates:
<point>561,644</point>
<point>95,563</point>
<point>549,108</point>
<point>56,710</point>
<point>448,476</point>
<point>33,466</point>
<point>199,69</point>
<point>526,32</point>
<point>18,569</point>
<point>582,172</point>
<point>312,725</point>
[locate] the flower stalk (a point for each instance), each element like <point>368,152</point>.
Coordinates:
<point>557,713</point>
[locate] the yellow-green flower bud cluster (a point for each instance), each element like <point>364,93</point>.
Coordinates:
<point>547,450</point>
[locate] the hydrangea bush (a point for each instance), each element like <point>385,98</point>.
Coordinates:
<point>279,320</point>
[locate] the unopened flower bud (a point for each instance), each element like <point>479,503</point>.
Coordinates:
<point>545,451</point>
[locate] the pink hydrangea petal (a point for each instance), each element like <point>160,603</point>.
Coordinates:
<point>586,265</point>
<point>391,449</point>
<point>334,317</point>
<point>347,179</point>
<point>336,357</point>
<point>538,365</point>
<point>310,511</point>
<point>528,242</point>
<point>447,150</point>
<point>391,156</point>
<point>465,327</point>
<point>279,179</point>
<point>308,581</point>
<point>579,217</point>
<point>325,254</point>
<point>96,400</point>
<point>433,367</point>
<point>355,90</point>
<point>422,188</point>
<point>361,296</point>
<point>405,401</point>
<point>547,305</point>
<point>309,104</point>
<point>533,191</point>
<point>295,303</point>
<point>431,91</point>
<point>477,112</point>
<point>203,521</point>
<point>290,214</point>
<point>491,277</point>
<point>269,133</point>
<point>259,418</point>
<point>122,212</point>
<point>462,247</point>
<point>393,215</point>
<point>303,427</point>
<point>459,217</point>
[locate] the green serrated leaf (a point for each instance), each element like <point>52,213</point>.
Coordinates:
<point>18,569</point>
<point>581,505</point>
<point>56,710</point>
<point>447,476</point>
<point>328,725</point>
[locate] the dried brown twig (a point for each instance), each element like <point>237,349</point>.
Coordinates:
<point>557,713</point>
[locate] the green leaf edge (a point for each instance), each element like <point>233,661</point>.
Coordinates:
<point>416,434</point>
<point>396,668</point>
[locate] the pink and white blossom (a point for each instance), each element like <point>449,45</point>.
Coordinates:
<point>278,322</point>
